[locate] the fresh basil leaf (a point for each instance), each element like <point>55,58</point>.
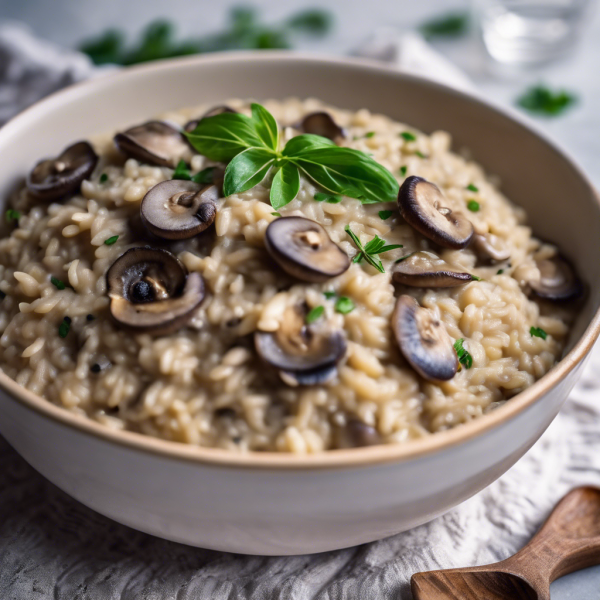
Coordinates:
<point>223,136</point>
<point>204,176</point>
<point>320,197</point>
<point>266,126</point>
<point>181,171</point>
<point>343,171</point>
<point>285,186</point>
<point>246,170</point>
<point>384,215</point>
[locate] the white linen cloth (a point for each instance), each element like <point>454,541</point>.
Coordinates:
<point>53,547</point>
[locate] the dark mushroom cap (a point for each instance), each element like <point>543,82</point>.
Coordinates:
<point>304,249</point>
<point>490,247</point>
<point>154,142</point>
<point>359,434</point>
<point>423,340</point>
<point>558,280</point>
<point>217,110</point>
<point>151,291</point>
<point>421,205</point>
<point>54,178</point>
<point>179,209</point>
<point>321,123</point>
<point>304,354</point>
<point>425,269</point>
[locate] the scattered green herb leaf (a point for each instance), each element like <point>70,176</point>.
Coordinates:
<point>464,358</point>
<point>454,24</point>
<point>12,215</point>
<point>312,21</point>
<point>420,154</point>
<point>384,215</point>
<point>542,100</point>
<point>204,176</point>
<point>331,199</point>
<point>329,295</point>
<point>103,178</point>
<point>370,134</point>
<point>538,332</point>
<point>111,240</point>
<point>473,205</point>
<point>408,136</point>
<point>276,214</point>
<point>64,327</point>
<point>499,271</point>
<point>403,257</point>
<point>475,278</point>
<point>472,188</point>
<point>181,171</point>
<point>314,314</point>
<point>344,305</point>
<point>403,170</point>
<point>57,283</point>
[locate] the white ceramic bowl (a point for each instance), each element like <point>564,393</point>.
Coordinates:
<point>279,504</point>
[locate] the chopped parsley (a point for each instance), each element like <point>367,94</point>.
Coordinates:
<point>205,176</point>
<point>329,198</point>
<point>370,251</point>
<point>408,136</point>
<point>111,240</point>
<point>475,278</point>
<point>453,24</point>
<point>420,154</point>
<point>103,178</point>
<point>63,328</point>
<point>314,314</point>
<point>344,305</point>
<point>12,215</point>
<point>472,188</point>
<point>329,295</point>
<point>499,271</point>
<point>464,358</point>
<point>403,170</point>
<point>542,100</point>
<point>370,134</point>
<point>181,171</point>
<point>384,215</point>
<point>276,214</point>
<point>57,283</point>
<point>538,332</point>
<point>473,205</point>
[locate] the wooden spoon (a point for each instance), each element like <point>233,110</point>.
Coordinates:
<point>567,542</point>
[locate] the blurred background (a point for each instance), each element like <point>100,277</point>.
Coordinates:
<point>540,56</point>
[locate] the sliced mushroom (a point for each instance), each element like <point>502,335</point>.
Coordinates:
<point>321,123</point>
<point>54,178</point>
<point>151,291</point>
<point>178,209</point>
<point>491,247</point>
<point>359,434</point>
<point>425,269</point>
<point>304,249</point>
<point>217,110</point>
<point>423,340</point>
<point>557,281</point>
<point>421,205</point>
<point>154,142</point>
<point>304,354</point>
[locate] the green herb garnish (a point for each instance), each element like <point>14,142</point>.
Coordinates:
<point>475,278</point>
<point>499,271</point>
<point>12,215</point>
<point>408,136</point>
<point>103,178</point>
<point>473,205</point>
<point>384,215</point>
<point>314,314</point>
<point>371,250</point>
<point>204,176</point>
<point>182,171</point>
<point>472,188</point>
<point>370,134</point>
<point>329,295</point>
<point>276,214</point>
<point>454,24</point>
<point>64,327</point>
<point>538,332</point>
<point>251,145</point>
<point>403,170</point>
<point>464,358</point>
<point>420,154</point>
<point>344,305</point>
<point>404,257</point>
<point>244,31</point>
<point>541,100</point>
<point>57,283</point>
<point>320,197</point>
<point>111,240</point>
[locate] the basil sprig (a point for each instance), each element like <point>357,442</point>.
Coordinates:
<point>251,146</point>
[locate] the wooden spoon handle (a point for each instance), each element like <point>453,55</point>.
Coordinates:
<point>568,541</point>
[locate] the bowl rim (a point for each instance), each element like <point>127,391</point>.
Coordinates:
<point>329,459</point>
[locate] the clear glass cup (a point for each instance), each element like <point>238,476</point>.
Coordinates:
<point>530,32</point>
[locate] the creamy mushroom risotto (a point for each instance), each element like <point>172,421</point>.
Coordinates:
<point>288,277</point>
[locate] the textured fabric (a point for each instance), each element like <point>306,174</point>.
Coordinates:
<point>53,547</point>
